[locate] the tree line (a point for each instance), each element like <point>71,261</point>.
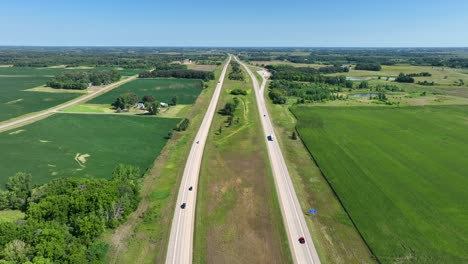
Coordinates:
<point>236,72</point>
<point>82,79</point>
<point>368,66</point>
<point>64,217</point>
<point>125,57</point>
<point>444,57</point>
<point>178,73</point>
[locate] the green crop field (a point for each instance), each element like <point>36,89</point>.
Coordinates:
<point>163,90</point>
<point>15,101</point>
<point>31,71</point>
<point>82,145</point>
<point>401,173</point>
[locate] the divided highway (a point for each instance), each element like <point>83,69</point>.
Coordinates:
<point>293,216</point>
<point>180,248</point>
<point>45,113</point>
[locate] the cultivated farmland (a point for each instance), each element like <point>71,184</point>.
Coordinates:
<point>400,173</point>
<point>45,148</point>
<point>51,71</point>
<point>163,90</point>
<point>16,101</point>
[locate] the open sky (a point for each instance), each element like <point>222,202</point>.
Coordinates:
<point>314,23</point>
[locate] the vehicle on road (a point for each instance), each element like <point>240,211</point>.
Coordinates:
<point>190,188</point>
<point>183,206</point>
<point>270,138</point>
<point>302,240</point>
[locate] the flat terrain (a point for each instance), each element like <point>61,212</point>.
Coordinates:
<point>163,90</point>
<point>144,237</point>
<point>238,219</point>
<point>442,76</point>
<point>82,145</point>
<point>51,71</point>
<point>335,237</point>
<point>16,101</point>
<point>400,173</point>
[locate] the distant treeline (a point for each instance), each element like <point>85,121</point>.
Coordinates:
<point>368,66</point>
<point>125,57</point>
<point>309,84</point>
<point>403,78</point>
<point>421,74</point>
<point>81,80</point>
<point>444,57</point>
<point>178,73</point>
<point>308,74</point>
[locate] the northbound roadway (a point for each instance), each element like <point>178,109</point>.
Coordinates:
<point>293,216</point>
<point>180,248</point>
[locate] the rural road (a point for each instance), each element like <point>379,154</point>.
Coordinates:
<point>26,120</point>
<point>293,216</point>
<point>180,248</point>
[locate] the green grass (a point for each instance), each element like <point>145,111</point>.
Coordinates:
<point>30,71</point>
<point>123,72</point>
<point>47,148</point>
<point>238,218</point>
<point>15,101</point>
<point>89,108</point>
<point>10,215</point>
<point>147,242</point>
<point>335,238</point>
<point>400,173</point>
<point>163,90</point>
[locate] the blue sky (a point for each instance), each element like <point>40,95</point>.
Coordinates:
<point>312,23</point>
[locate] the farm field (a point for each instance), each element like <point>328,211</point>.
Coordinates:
<point>45,148</point>
<point>238,219</point>
<point>163,90</point>
<point>336,239</point>
<point>442,76</point>
<point>400,174</point>
<point>51,71</point>
<point>15,101</point>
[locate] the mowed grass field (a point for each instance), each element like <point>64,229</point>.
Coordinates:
<point>163,90</point>
<point>16,101</point>
<point>401,174</point>
<point>81,145</point>
<point>238,219</point>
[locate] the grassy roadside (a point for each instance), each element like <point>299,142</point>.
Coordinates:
<point>336,239</point>
<point>143,238</point>
<point>238,219</point>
